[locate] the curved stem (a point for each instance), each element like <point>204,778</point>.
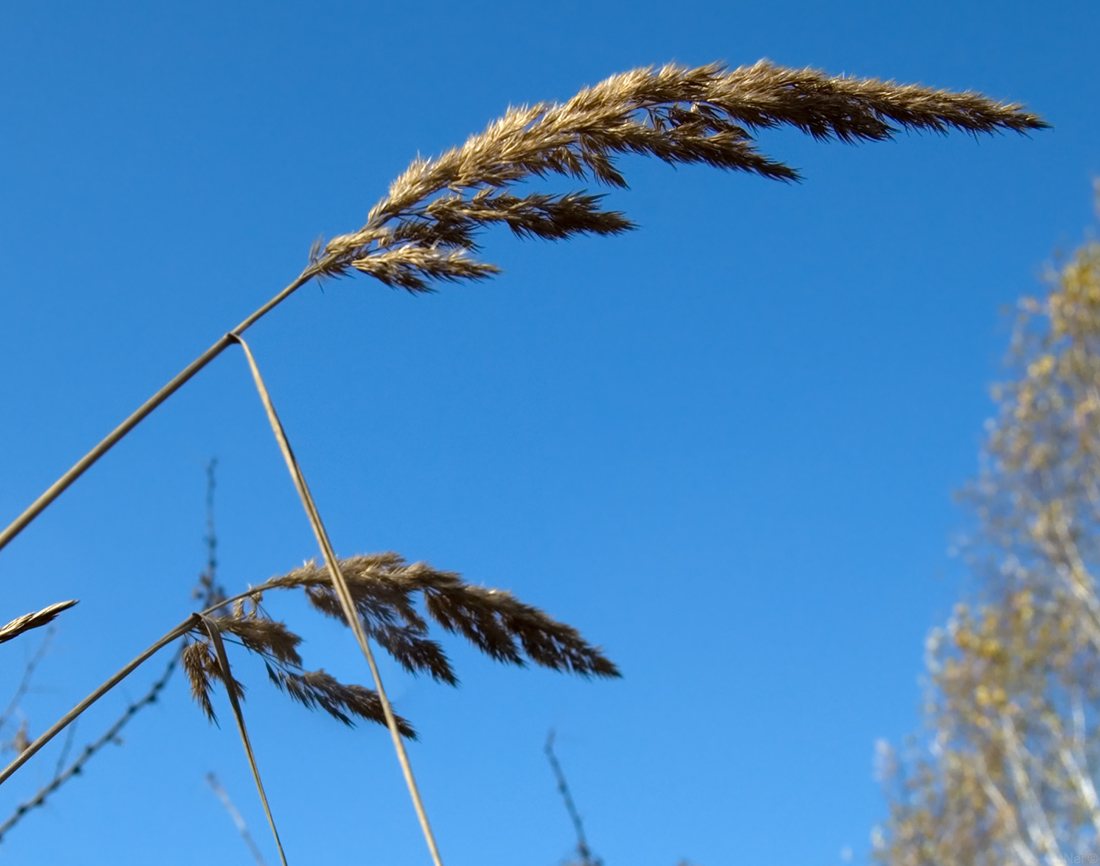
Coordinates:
<point>343,593</point>
<point>227,675</point>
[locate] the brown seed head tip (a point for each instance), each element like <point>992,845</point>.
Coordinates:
<point>33,620</point>
<point>604,667</point>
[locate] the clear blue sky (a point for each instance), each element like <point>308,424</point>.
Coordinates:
<point>723,446</point>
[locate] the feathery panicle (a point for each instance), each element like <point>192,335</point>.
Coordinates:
<point>383,586</point>
<point>201,666</point>
<point>677,114</point>
<point>424,230</point>
<point>409,266</point>
<point>278,646</point>
<point>262,635</point>
<point>33,620</point>
<point>318,690</point>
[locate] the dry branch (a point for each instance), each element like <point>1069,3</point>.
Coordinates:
<point>63,773</point>
<point>583,851</point>
<point>237,819</point>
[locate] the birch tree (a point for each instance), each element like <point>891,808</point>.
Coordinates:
<point>1008,769</point>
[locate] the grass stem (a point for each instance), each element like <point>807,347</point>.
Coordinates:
<point>347,602</point>
<point>112,438</point>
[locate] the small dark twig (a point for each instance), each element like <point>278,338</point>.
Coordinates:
<point>208,589</point>
<point>582,843</point>
<point>110,735</point>
<point>211,535</point>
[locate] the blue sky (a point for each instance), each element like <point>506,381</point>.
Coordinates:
<point>722,446</point>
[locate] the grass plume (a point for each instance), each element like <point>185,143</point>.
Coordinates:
<point>277,645</point>
<point>385,590</point>
<point>384,587</point>
<point>424,230</point>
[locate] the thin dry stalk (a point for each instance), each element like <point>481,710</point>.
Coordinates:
<point>347,603</point>
<point>33,620</point>
<point>214,633</point>
<point>143,411</point>
<point>423,231</point>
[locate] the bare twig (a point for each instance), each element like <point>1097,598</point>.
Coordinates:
<point>582,843</point>
<point>66,748</point>
<point>208,588</point>
<point>237,819</point>
<point>62,775</point>
<point>211,531</point>
<point>28,675</point>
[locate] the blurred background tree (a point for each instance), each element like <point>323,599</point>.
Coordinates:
<point>1007,771</point>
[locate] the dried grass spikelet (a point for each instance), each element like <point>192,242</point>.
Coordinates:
<point>384,587</point>
<point>318,690</point>
<point>202,668</point>
<point>424,229</point>
<point>37,619</point>
<point>278,646</point>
